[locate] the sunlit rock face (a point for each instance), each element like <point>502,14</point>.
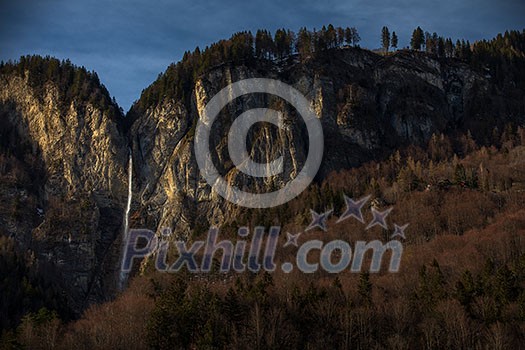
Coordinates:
<point>70,205</point>
<point>65,193</point>
<point>368,105</point>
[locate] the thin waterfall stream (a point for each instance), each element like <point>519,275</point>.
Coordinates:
<point>123,277</point>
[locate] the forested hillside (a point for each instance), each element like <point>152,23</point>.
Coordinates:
<point>435,131</point>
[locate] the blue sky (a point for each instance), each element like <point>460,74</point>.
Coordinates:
<point>129,42</point>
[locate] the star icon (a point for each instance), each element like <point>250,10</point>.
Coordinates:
<point>291,239</point>
<point>399,231</point>
<point>379,218</point>
<point>353,209</point>
<point>318,220</point>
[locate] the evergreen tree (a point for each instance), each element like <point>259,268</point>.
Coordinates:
<point>320,40</point>
<point>441,47</point>
<point>429,43</point>
<point>352,36</point>
<point>460,175</point>
<point>385,38</point>
<point>303,44</point>
<point>434,39</point>
<point>264,46</point>
<point>449,48</point>
<point>280,41</point>
<point>407,179</point>
<point>394,40</point>
<point>466,52</point>
<point>364,288</point>
<point>331,37</point>
<point>418,38</point>
<point>457,49</point>
<point>340,36</point>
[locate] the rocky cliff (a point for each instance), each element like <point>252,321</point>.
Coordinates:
<point>64,145</point>
<point>64,176</point>
<point>368,105</point>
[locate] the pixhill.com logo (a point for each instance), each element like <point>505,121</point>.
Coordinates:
<point>256,251</point>
<point>237,138</point>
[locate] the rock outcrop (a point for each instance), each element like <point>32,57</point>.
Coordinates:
<point>66,211</point>
<point>64,147</point>
<point>368,105</point>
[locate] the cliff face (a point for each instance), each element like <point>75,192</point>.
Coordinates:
<point>368,106</point>
<point>64,154</point>
<point>63,199</point>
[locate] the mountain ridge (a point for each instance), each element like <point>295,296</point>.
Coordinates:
<point>68,140</point>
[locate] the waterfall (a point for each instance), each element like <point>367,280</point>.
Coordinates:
<point>123,275</point>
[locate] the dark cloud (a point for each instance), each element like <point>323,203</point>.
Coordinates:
<point>128,42</point>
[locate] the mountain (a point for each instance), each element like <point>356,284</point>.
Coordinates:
<point>64,177</point>
<point>65,144</point>
<point>368,105</point>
